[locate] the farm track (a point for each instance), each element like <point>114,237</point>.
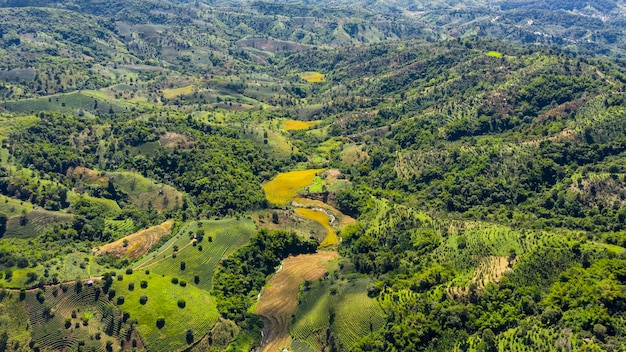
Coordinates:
<point>279,299</point>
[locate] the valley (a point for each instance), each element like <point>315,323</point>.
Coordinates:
<point>354,176</point>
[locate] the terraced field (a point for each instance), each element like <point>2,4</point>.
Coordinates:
<point>320,217</point>
<point>63,316</point>
<point>279,298</point>
<point>146,193</point>
<point>221,238</point>
<point>355,315</point>
<point>138,244</point>
<point>37,221</point>
<point>284,187</point>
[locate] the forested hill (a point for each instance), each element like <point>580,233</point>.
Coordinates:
<point>336,176</point>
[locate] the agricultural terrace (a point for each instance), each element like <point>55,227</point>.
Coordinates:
<point>313,77</point>
<point>284,187</point>
<point>342,219</point>
<point>354,314</point>
<point>145,192</point>
<point>64,316</point>
<point>320,217</point>
<point>279,298</point>
<point>196,250</point>
<point>138,244</point>
<point>296,125</point>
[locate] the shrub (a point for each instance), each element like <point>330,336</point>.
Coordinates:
<point>131,286</point>
<point>196,279</point>
<point>182,303</point>
<point>160,322</point>
<point>147,272</point>
<point>174,280</point>
<point>189,336</point>
<point>144,284</point>
<point>183,265</point>
<point>120,300</point>
<point>129,271</point>
<point>182,283</point>
<point>120,277</point>
<point>143,299</point>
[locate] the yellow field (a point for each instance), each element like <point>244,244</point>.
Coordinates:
<point>285,186</point>
<point>343,219</point>
<point>313,77</point>
<point>295,125</point>
<point>176,92</point>
<point>279,299</point>
<point>139,243</point>
<point>321,218</point>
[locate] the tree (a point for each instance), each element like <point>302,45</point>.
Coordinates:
<point>189,336</point>
<point>160,322</point>
<point>3,223</point>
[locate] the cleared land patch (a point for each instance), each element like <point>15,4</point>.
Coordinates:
<point>87,175</point>
<point>320,217</point>
<point>296,125</point>
<point>279,298</point>
<point>138,244</point>
<point>285,186</point>
<point>172,93</point>
<point>313,77</point>
<point>342,219</point>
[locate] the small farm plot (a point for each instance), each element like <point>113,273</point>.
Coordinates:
<point>279,298</point>
<point>284,187</point>
<point>313,77</point>
<point>138,244</point>
<point>297,125</point>
<point>320,217</point>
<point>162,305</point>
<point>145,193</point>
<point>355,314</point>
<point>64,316</point>
<point>34,223</point>
<point>194,253</point>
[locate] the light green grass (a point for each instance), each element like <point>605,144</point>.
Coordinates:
<point>12,207</point>
<point>495,54</point>
<point>199,313</point>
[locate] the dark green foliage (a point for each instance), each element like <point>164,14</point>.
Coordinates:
<point>240,277</point>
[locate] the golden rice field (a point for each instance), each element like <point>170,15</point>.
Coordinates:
<point>342,219</point>
<point>320,217</point>
<point>284,187</point>
<point>176,92</point>
<point>295,125</point>
<point>313,77</point>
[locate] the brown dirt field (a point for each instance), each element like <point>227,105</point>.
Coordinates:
<point>139,243</point>
<point>175,140</point>
<point>279,299</point>
<point>88,176</point>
